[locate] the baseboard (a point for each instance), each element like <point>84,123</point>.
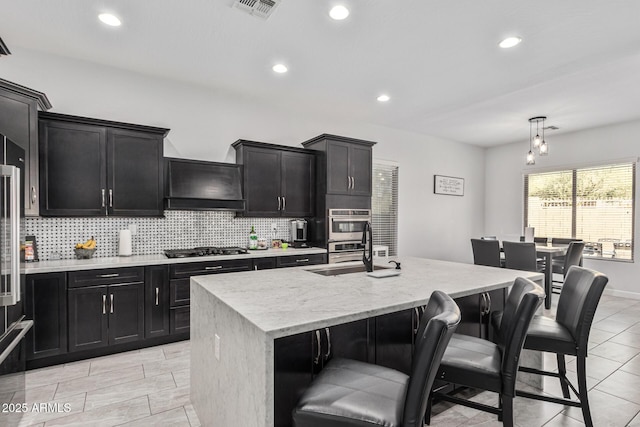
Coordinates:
<point>622,294</point>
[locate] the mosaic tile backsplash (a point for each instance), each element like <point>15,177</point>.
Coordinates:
<point>56,237</point>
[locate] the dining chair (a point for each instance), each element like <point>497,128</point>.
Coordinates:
<point>481,364</point>
<point>486,252</point>
<point>350,393</point>
<point>567,334</point>
<point>572,257</point>
<point>520,256</point>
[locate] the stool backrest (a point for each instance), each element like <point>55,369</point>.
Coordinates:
<point>579,298</point>
<point>523,301</point>
<point>437,325</point>
<point>520,255</point>
<point>486,252</point>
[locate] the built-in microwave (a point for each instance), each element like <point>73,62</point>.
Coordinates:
<point>347,224</point>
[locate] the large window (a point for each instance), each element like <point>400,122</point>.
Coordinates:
<point>384,204</point>
<point>595,204</point>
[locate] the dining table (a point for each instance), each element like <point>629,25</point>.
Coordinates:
<point>548,253</point>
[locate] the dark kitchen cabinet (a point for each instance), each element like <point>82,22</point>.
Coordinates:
<point>299,357</point>
<point>346,164</point>
<point>46,305</point>
<point>264,263</point>
<point>299,260</point>
<point>156,301</point>
<point>106,307</point>
<point>277,180</point>
<point>180,286</point>
<point>476,312</point>
<point>19,122</point>
<point>91,167</point>
<point>395,338</point>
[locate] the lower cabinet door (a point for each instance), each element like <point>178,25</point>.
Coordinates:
<point>88,318</point>
<point>46,305</point>
<point>156,301</point>
<point>394,334</point>
<point>471,308</point>
<point>293,360</point>
<point>180,319</point>
<point>349,340</point>
<point>126,309</point>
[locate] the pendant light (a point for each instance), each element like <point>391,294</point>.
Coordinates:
<point>537,141</point>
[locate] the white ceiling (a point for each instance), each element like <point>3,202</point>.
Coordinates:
<point>579,63</point>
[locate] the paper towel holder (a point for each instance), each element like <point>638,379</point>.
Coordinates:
<point>124,243</point>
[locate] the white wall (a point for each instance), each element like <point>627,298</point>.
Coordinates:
<point>204,122</point>
<point>505,166</point>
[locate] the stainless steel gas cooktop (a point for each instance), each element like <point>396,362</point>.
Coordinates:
<point>203,251</point>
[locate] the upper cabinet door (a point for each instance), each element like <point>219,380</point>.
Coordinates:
<point>338,176</point>
<point>298,185</point>
<point>360,170</point>
<point>72,169</point>
<point>134,174</point>
<point>262,177</point>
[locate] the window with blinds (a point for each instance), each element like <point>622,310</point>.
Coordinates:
<point>594,204</point>
<point>384,206</point>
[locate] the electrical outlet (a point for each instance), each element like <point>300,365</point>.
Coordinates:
<point>216,346</point>
<point>133,228</point>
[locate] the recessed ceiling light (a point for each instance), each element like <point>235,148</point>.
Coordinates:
<point>383,98</point>
<point>339,12</point>
<point>510,42</point>
<point>280,68</point>
<point>110,19</point>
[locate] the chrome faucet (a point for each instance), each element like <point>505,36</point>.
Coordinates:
<point>367,242</point>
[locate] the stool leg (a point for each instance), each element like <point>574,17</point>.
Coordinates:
<point>507,411</point>
<point>582,388</point>
<point>427,412</point>
<point>562,370</point>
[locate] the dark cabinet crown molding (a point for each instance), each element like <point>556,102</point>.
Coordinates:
<point>99,122</point>
<point>247,143</point>
<point>4,49</point>
<point>338,138</point>
<point>39,97</point>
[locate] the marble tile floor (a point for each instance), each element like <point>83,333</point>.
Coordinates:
<point>150,387</point>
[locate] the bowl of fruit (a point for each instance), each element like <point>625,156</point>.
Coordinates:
<point>85,250</point>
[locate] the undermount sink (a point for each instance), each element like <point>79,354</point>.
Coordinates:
<point>336,271</point>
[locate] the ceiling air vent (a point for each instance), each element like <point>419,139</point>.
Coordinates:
<point>260,8</point>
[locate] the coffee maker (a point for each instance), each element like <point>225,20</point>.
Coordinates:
<point>298,228</point>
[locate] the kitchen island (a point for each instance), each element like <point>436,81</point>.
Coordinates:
<point>237,319</point>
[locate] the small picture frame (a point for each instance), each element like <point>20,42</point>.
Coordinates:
<point>448,185</point>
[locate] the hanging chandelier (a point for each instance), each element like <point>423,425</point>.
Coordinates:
<point>537,142</point>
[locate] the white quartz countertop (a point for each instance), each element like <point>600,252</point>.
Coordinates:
<point>142,260</point>
<point>284,302</point>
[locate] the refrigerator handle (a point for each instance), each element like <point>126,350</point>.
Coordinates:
<point>13,295</point>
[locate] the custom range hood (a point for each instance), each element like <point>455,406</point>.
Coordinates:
<point>197,185</point>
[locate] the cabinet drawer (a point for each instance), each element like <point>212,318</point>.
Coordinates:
<point>182,271</point>
<point>109,276</point>
<point>179,320</point>
<point>179,292</point>
<point>298,260</point>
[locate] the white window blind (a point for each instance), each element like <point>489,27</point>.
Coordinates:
<point>384,206</point>
<point>595,204</point>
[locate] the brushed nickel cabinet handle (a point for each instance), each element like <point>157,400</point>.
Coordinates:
<point>34,194</point>
<point>157,292</point>
<point>104,304</point>
<point>353,182</point>
<point>489,300</point>
<point>110,197</point>
<point>111,308</point>
<point>279,206</point>
<point>316,360</point>
<point>417,321</point>
<point>108,275</point>
<point>284,203</point>
<point>217,267</point>
<point>328,353</point>
<point>103,199</point>
<point>303,260</point>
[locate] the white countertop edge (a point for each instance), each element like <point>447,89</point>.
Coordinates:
<point>56,266</point>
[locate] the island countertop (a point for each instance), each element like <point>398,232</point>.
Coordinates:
<point>283,302</point>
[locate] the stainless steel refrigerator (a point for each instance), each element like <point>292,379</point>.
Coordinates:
<point>13,327</point>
